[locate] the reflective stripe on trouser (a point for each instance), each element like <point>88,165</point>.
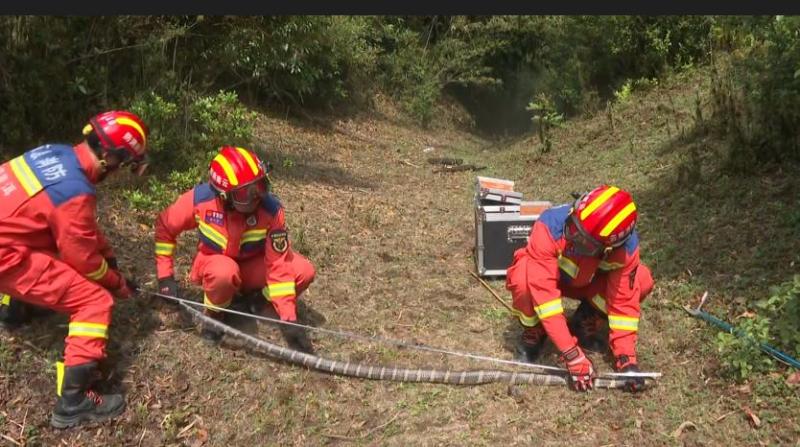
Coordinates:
<point>221,277</point>
<point>45,281</point>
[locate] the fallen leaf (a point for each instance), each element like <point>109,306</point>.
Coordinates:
<point>794,378</point>
<point>744,389</point>
<point>754,421</point>
<point>681,428</point>
<point>746,314</point>
<point>144,227</point>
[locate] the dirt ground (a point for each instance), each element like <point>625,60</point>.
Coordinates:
<point>392,244</point>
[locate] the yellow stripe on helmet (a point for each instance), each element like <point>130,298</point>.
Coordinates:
<point>249,158</point>
<point>596,203</point>
<point>135,125</point>
<point>226,166</point>
<point>614,223</point>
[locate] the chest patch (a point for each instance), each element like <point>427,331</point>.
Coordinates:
<point>215,217</point>
<point>251,221</point>
<point>280,241</point>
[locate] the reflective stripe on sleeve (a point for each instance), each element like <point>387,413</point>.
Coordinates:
<point>549,309</point>
<point>100,272</point>
<point>165,248</point>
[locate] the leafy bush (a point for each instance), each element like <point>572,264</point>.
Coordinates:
<point>757,93</point>
<point>183,144</point>
<point>777,324</point>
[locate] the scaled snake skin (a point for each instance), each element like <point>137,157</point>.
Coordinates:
<point>378,372</point>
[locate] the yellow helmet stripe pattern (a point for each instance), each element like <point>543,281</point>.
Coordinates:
<point>614,223</point>
<point>135,125</point>
<point>249,158</point>
<point>596,203</point>
<point>226,166</point>
<point>25,176</point>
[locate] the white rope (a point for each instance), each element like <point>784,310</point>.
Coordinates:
<point>401,343</point>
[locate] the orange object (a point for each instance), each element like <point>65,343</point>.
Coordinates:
<point>547,270</point>
<point>52,254</point>
<point>235,252</point>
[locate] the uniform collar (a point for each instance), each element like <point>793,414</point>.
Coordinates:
<point>89,162</point>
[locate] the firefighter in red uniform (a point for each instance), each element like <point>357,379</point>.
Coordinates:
<point>588,251</point>
<point>243,243</point>
<point>53,255</point>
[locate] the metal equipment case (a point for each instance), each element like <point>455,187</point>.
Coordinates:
<point>502,224</point>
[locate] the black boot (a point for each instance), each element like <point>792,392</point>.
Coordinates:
<point>531,344</point>
<point>209,334</point>
<point>78,403</point>
<point>13,313</point>
<point>590,326</point>
<point>297,338</point>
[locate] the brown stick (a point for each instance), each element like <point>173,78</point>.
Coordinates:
<point>489,288</point>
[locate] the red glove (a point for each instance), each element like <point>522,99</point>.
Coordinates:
<point>627,363</point>
<point>581,369</point>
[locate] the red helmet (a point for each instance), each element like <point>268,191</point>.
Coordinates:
<point>121,133</point>
<point>238,174</point>
<point>602,218</point>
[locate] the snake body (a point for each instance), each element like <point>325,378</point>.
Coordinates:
<point>379,372</point>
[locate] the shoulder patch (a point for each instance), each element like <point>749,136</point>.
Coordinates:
<point>271,204</point>
<point>203,193</point>
<point>280,240</point>
<point>554,218</point>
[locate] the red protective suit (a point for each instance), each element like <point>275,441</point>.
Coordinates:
<point>51,252</point>
<point>544,271</point>
<point>235,252</point>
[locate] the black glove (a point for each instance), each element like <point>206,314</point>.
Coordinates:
<point>628,364</point>
<point>297,338</point>
<point>112,262</point>
<point>133,284</point>
<point>168,286</point>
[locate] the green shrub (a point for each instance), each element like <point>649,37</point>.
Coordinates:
<point>184,143</point>
<point>777,324</point>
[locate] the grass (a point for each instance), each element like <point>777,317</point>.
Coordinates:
<point>392,241</point>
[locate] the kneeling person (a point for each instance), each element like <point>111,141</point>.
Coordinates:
<point>243,242</point>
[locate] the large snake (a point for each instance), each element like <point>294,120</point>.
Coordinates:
<point>375,372</point>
